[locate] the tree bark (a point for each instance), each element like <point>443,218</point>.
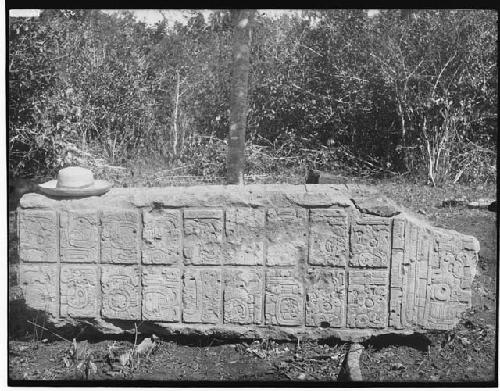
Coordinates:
<point>175,125</point>
<point>242,24</point>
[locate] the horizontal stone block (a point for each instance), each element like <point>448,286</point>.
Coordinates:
<point>256,261</point>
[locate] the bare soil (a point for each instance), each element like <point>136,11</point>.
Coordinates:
<point>465,354</point>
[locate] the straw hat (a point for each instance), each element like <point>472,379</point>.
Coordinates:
<point>75,182</point>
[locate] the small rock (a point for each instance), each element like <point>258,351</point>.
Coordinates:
<point>302,376</point>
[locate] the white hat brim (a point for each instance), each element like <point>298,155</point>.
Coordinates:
<point>99,187</point>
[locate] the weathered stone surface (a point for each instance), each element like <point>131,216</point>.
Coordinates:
<point>245,236</point>
<point>161,293</point>
<point>367,298</point>
<point>326,298</point>
<point>80,291</point>
<point>38,235</point>
<point>377,205</point>
<point>162,237</point>
<point>121,295</point>
<point>287,236</point>
<point>370,242</point>
<point>203,236</point>
<point>329,237</point>
<point>79,233</point>
<point>260,261</point>
<point>243,296</point>
<point>202,296</point>
<point>120,236</point>
<point>284,298</point>
<point>39,284</point>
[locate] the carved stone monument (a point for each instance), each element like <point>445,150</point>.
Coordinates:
<point>287,261</point>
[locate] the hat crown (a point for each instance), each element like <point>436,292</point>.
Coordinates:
<point>75,177</point>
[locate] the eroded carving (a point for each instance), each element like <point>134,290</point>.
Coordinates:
<point>244,236</point>
<point>325,298</point>
<point>161,237</point>
<point>203,236</point>
<point>243,296</point>
<point>284,298</point>
<point>121,296</point>
<point>79,236</point>
<point>329,237</point>
<point>367,298</point>
<point>79,291</point>
<point>287,236</point>
<point>202,296</point>
<point>39,284</point>
<point>161,293</point>
<point>370,242</point>
<point>38,236</point>
<point>120,236</point>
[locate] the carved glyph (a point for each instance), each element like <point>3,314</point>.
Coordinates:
<point>39,284</point>
<point>243,299</point>
<point>120,236</point>
<point>367,298</point>
<point>202,296</point>
<point>79,236</point>
<point>245,236</point>
<point>371,242</point>
<point>161,293</point>
<point>121,292</point>
<point>287,236</point>
<point>326,298</point>
<point>79,291</point>
<point>203,236</point>
<point>329,237</point>
<point>38,236</point>
<point>161,236</point>
<point>284,298</point>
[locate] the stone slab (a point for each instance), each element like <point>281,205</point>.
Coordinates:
<point>284,262</point>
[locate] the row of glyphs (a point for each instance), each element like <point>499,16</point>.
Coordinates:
<point>283,267</point>
<point>205,237</point>
<point>210,295</point>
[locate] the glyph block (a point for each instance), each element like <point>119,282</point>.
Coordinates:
<point>243,296</point>
<point>329,237</point>
<point>326,298</point>
<point>284,298</point>
<point>371,242</point>
<point>79,291</point>
<point>79,234</point>
<point>161,293</point>
<point>245,236</point>
<point>203,236</point>
<point>367,298</point>
<point>39,284</point>
<point>38,236</point>
<point>202,296</point>
<point>161,237</point>
<point>287,236</point>
<point>121,295</point>
<point>120,240</point>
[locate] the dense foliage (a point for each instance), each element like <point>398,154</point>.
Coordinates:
<point>411,92</point>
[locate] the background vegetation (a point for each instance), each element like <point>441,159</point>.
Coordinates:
<point>402,92</point>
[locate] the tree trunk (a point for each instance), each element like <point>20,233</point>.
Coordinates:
<point>242,22</point>
<point>175,125</point>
